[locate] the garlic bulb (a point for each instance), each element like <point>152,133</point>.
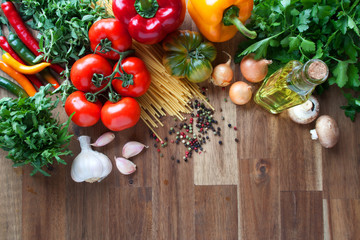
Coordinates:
<point>89,165</point>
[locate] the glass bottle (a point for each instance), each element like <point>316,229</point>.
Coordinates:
<point>291,85</point>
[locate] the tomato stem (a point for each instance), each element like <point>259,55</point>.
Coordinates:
<point>113,96</point>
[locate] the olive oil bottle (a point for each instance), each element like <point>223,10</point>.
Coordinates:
<point>291,85</point>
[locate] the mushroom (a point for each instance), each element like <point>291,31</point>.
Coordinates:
<point>305,113</point>
<point>326,130</point>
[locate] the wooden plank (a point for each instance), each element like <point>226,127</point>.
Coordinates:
<point>222,169</point>
<point>341,163</point>
<point>130,216</point>
<point>301,215</point>
<point>259,199</point>
<point>257,133</point>
<point>216,215</point>
<point>44,205</point>
<point>173,194</point>
<point>10,200</point>
<point>300,158</point>
<point>343,218</point>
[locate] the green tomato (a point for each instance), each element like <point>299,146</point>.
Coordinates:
<point>188,56</point>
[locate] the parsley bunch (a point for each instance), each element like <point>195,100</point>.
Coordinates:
<point>306,29</point>
<point>29,132</point>
<point>63,26</point>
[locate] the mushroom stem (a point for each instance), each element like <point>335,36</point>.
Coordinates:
<point>314,135</point>
<point>308,105</point>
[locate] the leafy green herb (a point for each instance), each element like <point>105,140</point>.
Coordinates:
<point>63,26</point>
<point>29,132</point>
<point>306,29</point>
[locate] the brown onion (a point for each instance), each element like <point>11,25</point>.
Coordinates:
<point>240,93</point>
<point>254,70</point>
<point>222,74</point>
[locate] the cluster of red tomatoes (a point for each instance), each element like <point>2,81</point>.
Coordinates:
<point>94,76</point>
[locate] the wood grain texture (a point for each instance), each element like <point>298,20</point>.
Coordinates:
<point>276,183</point>
<point>130,217</point>
<point>259,199</point>
<point>341,163</point>
<point>10,200</point>
<point>216,213</point>
<point>301,215</point>
<point>343,219</point>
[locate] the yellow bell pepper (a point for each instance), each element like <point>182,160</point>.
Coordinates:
<point>219,20</point>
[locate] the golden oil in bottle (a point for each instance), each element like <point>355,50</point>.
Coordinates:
<point>291,85</point>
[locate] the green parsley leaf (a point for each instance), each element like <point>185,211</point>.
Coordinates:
<point>31,134</point>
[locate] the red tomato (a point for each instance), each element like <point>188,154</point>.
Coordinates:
<point>82,72</point>
<point>86,113</point>
<point>120,115</point>
<point>141,78</point>
<point>113,30</point>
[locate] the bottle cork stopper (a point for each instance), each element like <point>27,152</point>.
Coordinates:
<point>317,70</point>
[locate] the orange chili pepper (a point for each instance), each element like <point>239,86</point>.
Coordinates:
<point>21,68</point>
<point>21,79</point>
<point>49,78</point>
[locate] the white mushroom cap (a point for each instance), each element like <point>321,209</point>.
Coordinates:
<point>305,113</point>
<point>326,130</point>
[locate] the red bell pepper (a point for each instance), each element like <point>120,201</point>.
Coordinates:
<point>24,34</point>
<point>149,21</point>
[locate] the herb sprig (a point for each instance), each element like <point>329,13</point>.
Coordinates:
<point>63,26</point>
<point>306,29</point>
<point>31,134</point>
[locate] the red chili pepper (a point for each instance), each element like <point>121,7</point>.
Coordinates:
<point>7,48</point>
<point>24,34</point>
<point>149,21</point>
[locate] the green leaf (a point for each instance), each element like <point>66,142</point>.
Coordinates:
<point>294,43</point>
<point>340,73</point>
<point>308,46</point>
<point>342,24</point>
<point>353,74</point>
<point>352,25</point>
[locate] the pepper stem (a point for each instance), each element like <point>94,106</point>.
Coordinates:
<point>146,8</point>
<point>231,18</point>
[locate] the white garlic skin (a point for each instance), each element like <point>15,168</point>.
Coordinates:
<point>132,149</point>
<point>125,166</point>
<point>89,165</point>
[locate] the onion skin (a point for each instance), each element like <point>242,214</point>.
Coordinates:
<point>240,93</point>
<point>254,70</point>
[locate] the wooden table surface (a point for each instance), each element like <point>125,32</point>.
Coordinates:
<point>276,183</point>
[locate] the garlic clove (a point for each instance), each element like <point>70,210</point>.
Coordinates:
<point>132,148</point>
<point>104,139</point>
<point>125,166</point>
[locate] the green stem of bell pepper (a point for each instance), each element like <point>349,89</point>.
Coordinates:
<point>231,18</point>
